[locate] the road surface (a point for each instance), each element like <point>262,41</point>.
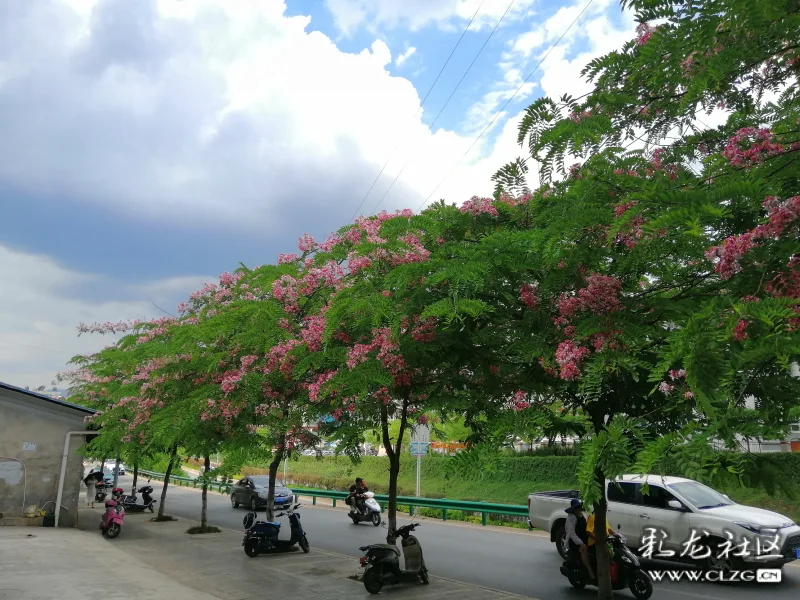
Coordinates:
<point>510,560</point>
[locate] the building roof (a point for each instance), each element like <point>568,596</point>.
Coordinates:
<point>13,388</point>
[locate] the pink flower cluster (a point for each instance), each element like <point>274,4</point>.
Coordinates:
<point>529,295</point>
<point>575,171</point>
<point>600,296</point>
<point>287,258</point>
<point>643,33</point>
<point>520,401</point>
<point>387,355</point>
<point>278,358</point>
<point>781,216</point>
<point>750,146</point>
<point>288,289</point>
<point>577,117</point>
<point>622,208</point>
<point>307,243</point>
<point>479,206</point>
<point>569,357</point>
<point>424,330</point>
<point>312,332</point>
<point>315,388</point>
<point>740,330</point>
<point>107,327</point>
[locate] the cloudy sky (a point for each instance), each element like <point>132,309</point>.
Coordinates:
<point>149,145</point>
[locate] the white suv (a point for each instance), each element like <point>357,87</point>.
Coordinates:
<point>672,512</point>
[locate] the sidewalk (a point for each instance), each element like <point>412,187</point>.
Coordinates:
<point>160,560</point>
<point>43,563</point>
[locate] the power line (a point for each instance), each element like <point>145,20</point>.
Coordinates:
<point>444,66</point>
<point>32,347</point>
<point>386,193</point>
<point>477,139</point>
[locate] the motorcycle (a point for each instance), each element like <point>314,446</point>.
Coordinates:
<point>382,562</point>
<point>371,510</point>
<point>626,570</point>
<point>111,523</point>
<point>101,491</point>
<point>131,503</point>
<point>262,536</point>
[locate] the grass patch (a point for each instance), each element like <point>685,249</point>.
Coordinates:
<point>198,529</point>
<point>163,519</point>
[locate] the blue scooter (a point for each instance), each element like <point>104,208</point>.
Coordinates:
<point>262,536</point>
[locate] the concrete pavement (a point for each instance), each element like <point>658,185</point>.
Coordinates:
<point>43,563</point>
<point>216,566</point>
<point>510,560</point>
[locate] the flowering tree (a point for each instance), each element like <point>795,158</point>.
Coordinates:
<point>665,293</point>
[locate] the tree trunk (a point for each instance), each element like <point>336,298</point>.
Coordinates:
<point>172,459</point>
<point>135,476</point>
<point>273,475</point>
<point>394,465</point>
<point>116,470</point>
<point>601,542</point>
<point>103,464</point>
<point>204,495</point>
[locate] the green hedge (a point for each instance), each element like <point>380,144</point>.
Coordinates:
<point>513,478</point>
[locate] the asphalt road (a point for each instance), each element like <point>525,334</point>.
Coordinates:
<point>510,560</point>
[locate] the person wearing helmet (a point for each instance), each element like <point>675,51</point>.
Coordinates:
<point>577,536</point>
<point>357,492</point>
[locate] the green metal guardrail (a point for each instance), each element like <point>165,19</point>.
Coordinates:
<point>484,508</point>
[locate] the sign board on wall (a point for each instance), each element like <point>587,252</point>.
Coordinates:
<point>29,446</point>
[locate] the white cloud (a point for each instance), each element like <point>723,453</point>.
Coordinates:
<point>415,14</point>
<point>231,112</point>
<point>38,315</point>
<point>402,58</point>
<point>601,29</point>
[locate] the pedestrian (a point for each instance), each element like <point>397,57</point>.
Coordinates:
<point>90,481</point>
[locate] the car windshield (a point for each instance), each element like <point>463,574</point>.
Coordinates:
<point>264,482</point>
<point>700,495</point>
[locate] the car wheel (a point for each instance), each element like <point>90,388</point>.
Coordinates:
<point>253,504</point>
<point>234,503</point>
<point>560,536</point>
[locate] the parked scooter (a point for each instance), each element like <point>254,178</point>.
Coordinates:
<point>101,491</point>
<point>262,536</point>
<point>626,570</point>
<point>131,503</point>
<point>111,524</point>
<point>382,562</point>
<point>369,511</point>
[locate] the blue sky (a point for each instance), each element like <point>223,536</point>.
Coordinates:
<point>146,151</point>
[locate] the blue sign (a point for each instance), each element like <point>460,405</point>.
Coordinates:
<point>327,419</point>
<point>419,448</point>
<point>797,552</point>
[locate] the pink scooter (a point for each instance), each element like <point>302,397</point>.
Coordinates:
<point>111,525</point>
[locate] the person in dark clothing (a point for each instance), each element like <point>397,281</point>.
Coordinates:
<point>91,481</point>
<point>577,536</point>
<point>357,492</point>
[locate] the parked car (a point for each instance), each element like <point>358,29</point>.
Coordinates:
<point>112,465</point>
<point>678,507</point>
<point>252,492</point>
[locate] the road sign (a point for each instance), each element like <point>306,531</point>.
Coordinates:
<point>422,434</point>
<point>419,448</point>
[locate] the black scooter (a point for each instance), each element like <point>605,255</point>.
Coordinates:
<point>262,536</point>
<point>382,562</point>
<point>132,505</point>
<point>626,570</point>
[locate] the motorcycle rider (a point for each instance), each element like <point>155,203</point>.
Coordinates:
<point>590,533</point>
<point>357,492</point>
<point>577,536</point>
